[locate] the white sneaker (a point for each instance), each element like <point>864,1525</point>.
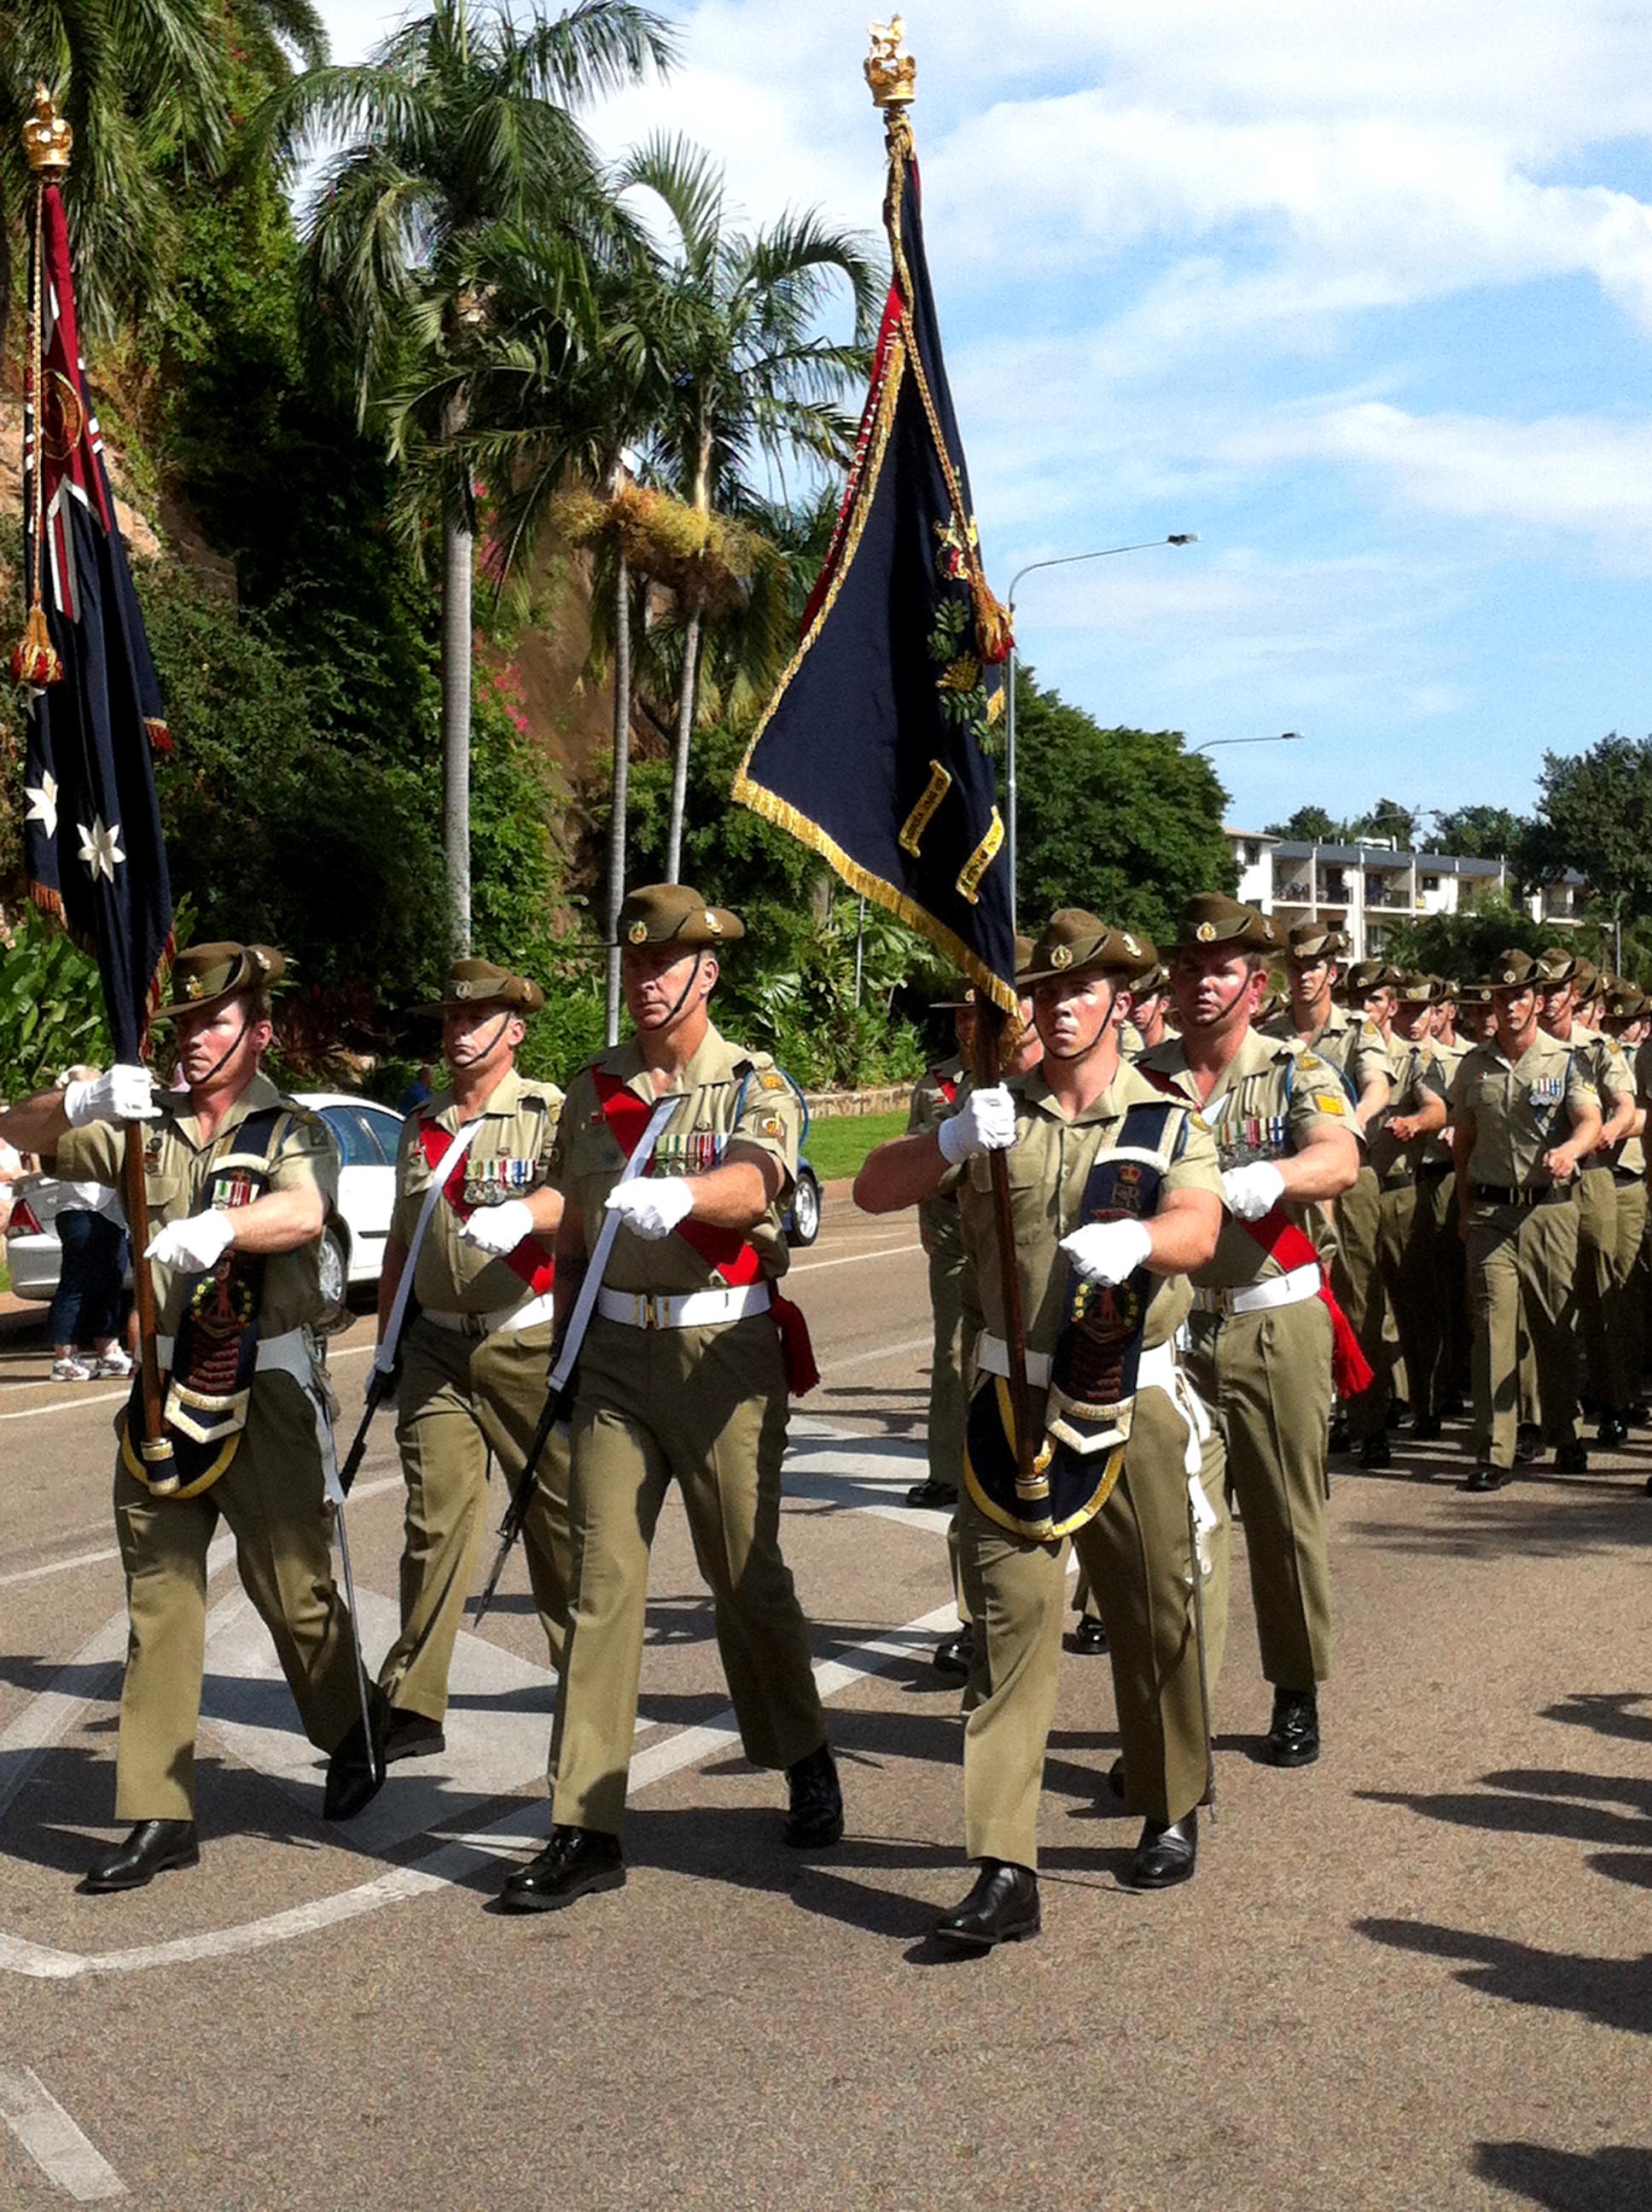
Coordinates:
<point>114,1363</point>
<point>71,1371</point>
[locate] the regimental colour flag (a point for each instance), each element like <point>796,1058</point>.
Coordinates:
<point>92,832</point>
<point>877,749</point>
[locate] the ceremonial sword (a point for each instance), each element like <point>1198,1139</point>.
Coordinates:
<point>557,1385</point>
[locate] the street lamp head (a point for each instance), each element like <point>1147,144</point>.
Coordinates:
<point>1182,538</point>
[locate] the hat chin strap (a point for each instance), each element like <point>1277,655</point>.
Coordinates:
<point>1084,1050</point>
<point>1235,999</point>
<point>504,1020</point>
<point>229,1050</point>
<point>681,1000</point>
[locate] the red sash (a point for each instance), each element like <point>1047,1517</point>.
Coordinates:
<point>1279,1236</point>
<point>530,1260</point>
<point>1282,1240</point>
<point>733,1257</point>
<point>948,1089</point>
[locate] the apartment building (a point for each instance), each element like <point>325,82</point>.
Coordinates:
<point>1364,890</point>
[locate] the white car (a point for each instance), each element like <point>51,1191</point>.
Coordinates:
<point>352,1245</point>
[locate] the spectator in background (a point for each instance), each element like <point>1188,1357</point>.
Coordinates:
<point>11,1169</point>
<point>86,1312</point>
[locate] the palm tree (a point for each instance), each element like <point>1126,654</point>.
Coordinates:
<point>461,129</point>
<point>754,384</point>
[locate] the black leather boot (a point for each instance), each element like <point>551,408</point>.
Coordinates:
<point>955,1654</point>
<point>931,1496</point>
<point>356,1771</point>
<point>814,1816</point>
<point>1167,1854</point>
<point>1486,1478</point>
<point>1571,1458</point>
<point>412,1735</point>
<point>576,1863</point>
<point>1293,1738</point>
<point>1001,1908</point>
<point>1089,1638</point>
<point>154,1847</point>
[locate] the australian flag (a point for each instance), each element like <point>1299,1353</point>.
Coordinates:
<point>92,832</point>
<point>877,749</point>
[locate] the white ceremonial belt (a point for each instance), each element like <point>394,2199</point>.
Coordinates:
<point>693,1309</point>
<point>287,1354</point>
<point>993,1357</point>
<point>502,1319</point>
<point>1258,1298</point>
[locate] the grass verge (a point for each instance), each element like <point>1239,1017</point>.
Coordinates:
<point>838,1146</point>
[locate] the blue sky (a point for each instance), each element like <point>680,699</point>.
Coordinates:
<point>1364,297</point>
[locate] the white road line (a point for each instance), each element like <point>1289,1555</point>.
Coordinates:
<point>110,1397</point>
<point>884,1352</point>
<point>52,2140</point>
<point>457,1859</point>
<point>848,1259</point>
<point>113,1551</point>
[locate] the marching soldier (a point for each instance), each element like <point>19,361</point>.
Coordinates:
<point>1265,1325</point>
<point>1517,1210</point>
<point>1407,1254</point>
<point>1343,1036</point>
<point>1605,1260</point>
<point>1149,1007</point>
<point>240,1181</point>
<point>1103,1250</point>
<point>1436,1218</point>
<point>681,1376</point>
<point>1370,989</point>
<point>1477,1015</point>
<point>476,1345</point>
<point>1622,1009</point>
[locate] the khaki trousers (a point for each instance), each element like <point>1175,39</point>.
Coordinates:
<point>458,1399</point>
<point>1266,1379</point>
<point>949,1397</point>
<point>1629,1304</point>
<point>272,1496</point>
<point>1597,1273</point>
<point>1137,1552</point>
<point>1437,1217</point>
<point>1522,1266</point>
<point>706,1407</point>
<point>1356,1279</point>
<point>1406,1261</point>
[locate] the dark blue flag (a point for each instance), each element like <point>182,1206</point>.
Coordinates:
<point>877,749</point>
<point>92,833</point>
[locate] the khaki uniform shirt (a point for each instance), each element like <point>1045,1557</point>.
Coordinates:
<point>1602,1060</point>
<point>1519,1110</point>
<point>1048,1165</point>
<point>509,1157</point>
<point>1274,1096</point>
<point>1438,1077</point>
<point>1413,1084</point>
<point>727,1094</point>
<point>181,1173</point>
<point>1353,1046</point>
<point>930,1107</point>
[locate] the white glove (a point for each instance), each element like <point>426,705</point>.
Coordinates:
<point>1107,1251</point>
<point>195,1243</point>
<point>499,1229</point>
<point>984,1123</point>
<point>1252,1191</point>
<point>120,1094</point>
<point>652,1204</point>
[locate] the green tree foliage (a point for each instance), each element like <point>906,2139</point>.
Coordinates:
<point>1387,818</point>
<point>51,1008</point>
<point>1308,825</point>
<point>1480,833</point>
<point>1124,822</point>
<point>1463,944</point>
<point>1595,815</point>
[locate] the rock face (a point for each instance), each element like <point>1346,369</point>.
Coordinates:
<point>142,542</point>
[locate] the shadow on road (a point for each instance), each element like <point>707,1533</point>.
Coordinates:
<point>1610,2179</point>
<point>1615,1992</point>
<point>1599,1517</point>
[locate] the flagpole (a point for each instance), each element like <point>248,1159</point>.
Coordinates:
<point>47,140</point>
<point>892,77</point>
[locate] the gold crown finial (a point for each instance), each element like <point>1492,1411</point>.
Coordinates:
<point>47,138</point>
<point>892,74</point>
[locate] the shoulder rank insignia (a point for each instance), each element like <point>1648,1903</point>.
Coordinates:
<point>769,1081</point>
<point>1329,1102</point>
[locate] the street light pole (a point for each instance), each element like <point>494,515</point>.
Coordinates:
<point>1282,738</point>
<point>1062,560</point>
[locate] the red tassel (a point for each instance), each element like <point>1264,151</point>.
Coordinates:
<point>1349,1369</point>
<point>797,1352</point>
<point>34,660</point>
